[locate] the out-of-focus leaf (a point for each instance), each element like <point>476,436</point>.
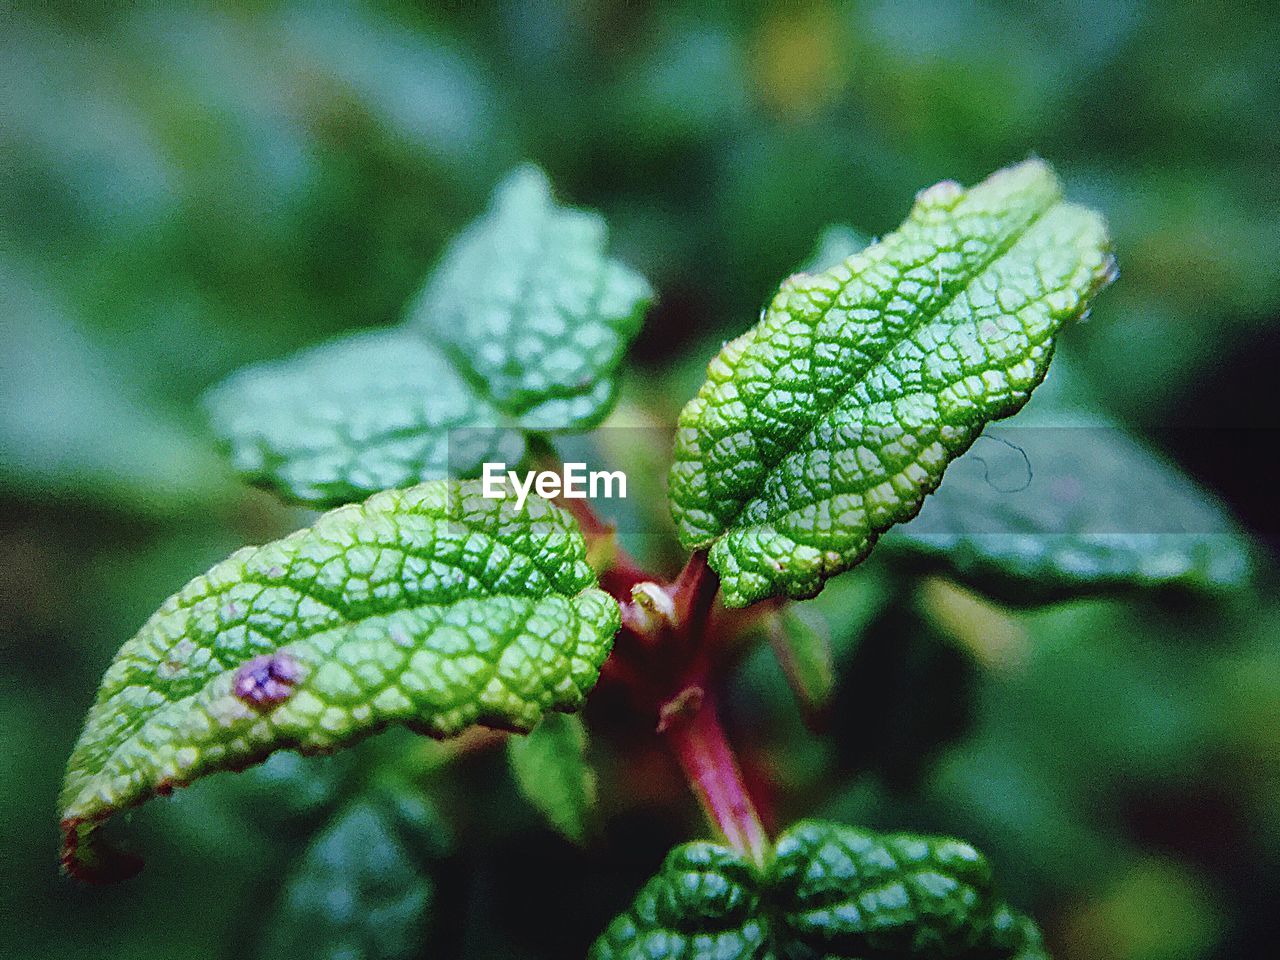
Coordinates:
<point>1066,502</point>
<point>358,893</point>
<point>290,785</point>
<point>430,95</point>
<point>689,85</point>
<point>1004,792</point>
<point>1158,909</point>
<point>73,423</point>
<point>551,769</point>
<point>1107,701</point>
<point>432,607</point>
<point>991,82</point>
<point>802,643</point>
<point>521,327</point>
<point>832,418</point>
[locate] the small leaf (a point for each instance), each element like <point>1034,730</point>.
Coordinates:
<point>433,607</point>
<point>358,891</point>
<point>551,769</point>
<point>528,306</point>
<point>1068,503</point>
<point>851,892</point>
<point>520,328</point>
<point>837,243</point>
<point>831,891</point>
<point>704,902</point>
<point>362,413</point>
<point>832,418</point>
<point>802,643</point>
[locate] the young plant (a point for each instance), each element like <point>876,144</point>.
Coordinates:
<point>433,606</point>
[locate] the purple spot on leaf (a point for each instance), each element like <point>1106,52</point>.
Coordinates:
<point>267,681</point>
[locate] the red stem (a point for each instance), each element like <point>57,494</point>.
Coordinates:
<point>698,740</point>
<point>622,569</point>
<point>703,750</point>
<point>593,526</point>
<point>693,593</point>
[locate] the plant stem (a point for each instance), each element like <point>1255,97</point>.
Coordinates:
<point>698,740</point>
<point>622,568</point>
<point>700,744</point>
<point>693,593</point>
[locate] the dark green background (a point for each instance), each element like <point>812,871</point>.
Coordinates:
<point>183,191</point>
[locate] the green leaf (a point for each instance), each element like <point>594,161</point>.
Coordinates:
<point>288,786</point>
<point>705,901</point>
<point>850,892</point>
<point>832,418</point>
<point>1068,507</point>
<point>831,891</point>
<point>530,309</point>
<point>837,243</point>
<point>520,328</point>
<point>362,413</point>
<point>432,607</point>
<point>801,641</point>
<point>1068,503</point>
<point>76,420</point>
<point>359,891</point>
<point>551,769</point>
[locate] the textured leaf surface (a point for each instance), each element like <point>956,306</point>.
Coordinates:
<point>521,327</point>
<point>704,902</point>
<point>832,891</point>
<point>531,310</point>
<point>1066,503</point>
<point>551,769</point>
<point>832,418</point>
<point>431,607</point>
<point>1068,506</point>
<point>358,891</point>
<point>356,415</point>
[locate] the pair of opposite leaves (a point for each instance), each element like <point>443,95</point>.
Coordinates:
<point>818,429</point>
<point>828,891</point>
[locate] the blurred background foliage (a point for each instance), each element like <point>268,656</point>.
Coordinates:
<point>188,188</point>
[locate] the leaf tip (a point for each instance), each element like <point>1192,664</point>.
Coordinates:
<point>86,858</point>
<point>942,194</point>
